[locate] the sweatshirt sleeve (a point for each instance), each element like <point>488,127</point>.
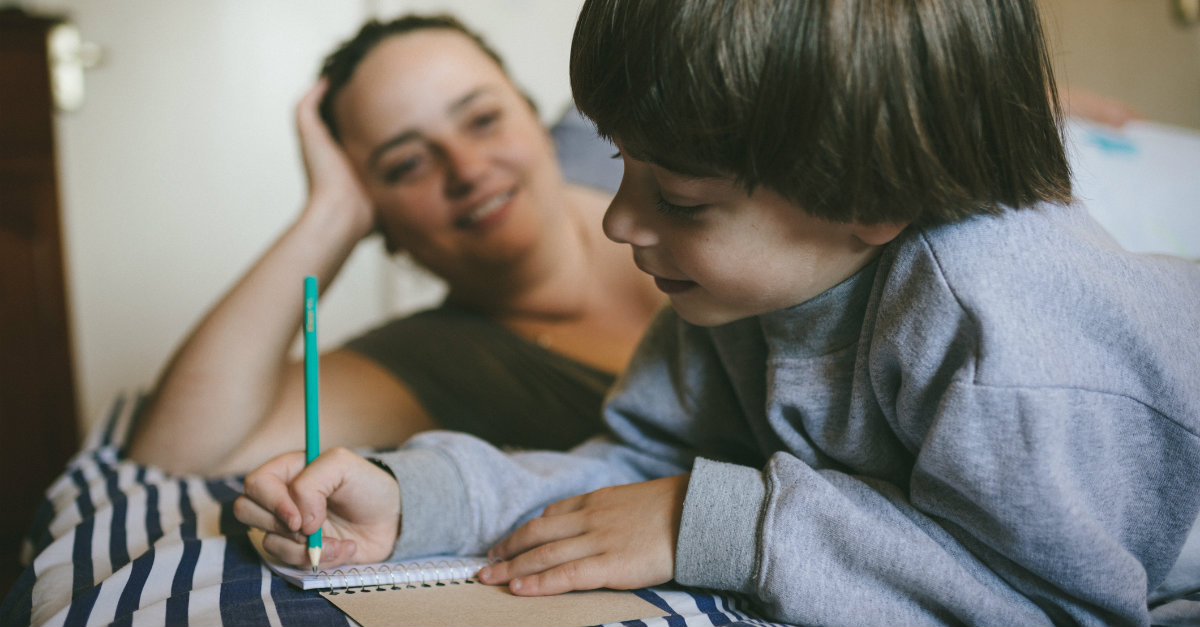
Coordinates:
<point>1053,522</point>
<point>460,494</point>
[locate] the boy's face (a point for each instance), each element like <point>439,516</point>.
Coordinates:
<point>721,254</point>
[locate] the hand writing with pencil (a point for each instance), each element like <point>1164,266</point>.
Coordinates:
<point>620,537</point>
<point>356,502</point>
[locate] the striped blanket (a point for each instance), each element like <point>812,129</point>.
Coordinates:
<point>120,543</point>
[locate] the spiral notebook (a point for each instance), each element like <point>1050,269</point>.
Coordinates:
<point>441,591</point>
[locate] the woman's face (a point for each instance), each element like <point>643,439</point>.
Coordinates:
<point>460,169</point>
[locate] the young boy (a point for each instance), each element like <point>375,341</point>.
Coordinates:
<point>903,379</point>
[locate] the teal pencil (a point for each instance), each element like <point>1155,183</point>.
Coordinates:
<point>312,423</point>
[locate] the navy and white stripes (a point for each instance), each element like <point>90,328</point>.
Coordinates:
<point>123,544</point>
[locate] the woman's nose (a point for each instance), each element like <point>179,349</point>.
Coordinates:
<point>465,166</point>
<point>624,223</point>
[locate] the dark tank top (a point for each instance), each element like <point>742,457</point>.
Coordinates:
<point>474,375</point>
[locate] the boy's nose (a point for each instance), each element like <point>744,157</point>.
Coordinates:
<point>623,223</point>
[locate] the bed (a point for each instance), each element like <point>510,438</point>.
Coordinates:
<point>120,543</point>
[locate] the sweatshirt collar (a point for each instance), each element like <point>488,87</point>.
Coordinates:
<point>824,324</point>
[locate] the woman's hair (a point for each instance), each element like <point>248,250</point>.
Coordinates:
<point>872,111</point>
<point>340,65</point>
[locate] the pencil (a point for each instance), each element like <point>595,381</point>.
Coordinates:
<point>312,424</point>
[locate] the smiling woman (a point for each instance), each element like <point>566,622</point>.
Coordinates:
<point>415,131</point>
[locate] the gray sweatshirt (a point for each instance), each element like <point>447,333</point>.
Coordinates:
<point>996,422</point>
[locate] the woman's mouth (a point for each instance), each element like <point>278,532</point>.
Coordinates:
<point>673,286</point>
<point>485,213</point>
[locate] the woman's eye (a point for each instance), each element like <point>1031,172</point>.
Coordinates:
<point>397,172</point>
<point>485,120</point>
<point>678,211</point>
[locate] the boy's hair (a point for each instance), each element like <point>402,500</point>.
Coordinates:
<point>340,65</point>
<point>872,111</point>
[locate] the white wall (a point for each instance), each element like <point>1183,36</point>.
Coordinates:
<point>181,166</point>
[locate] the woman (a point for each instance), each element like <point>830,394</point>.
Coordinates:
<point>437,150</point>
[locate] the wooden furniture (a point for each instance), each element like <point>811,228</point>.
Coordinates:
<point>38,426</point>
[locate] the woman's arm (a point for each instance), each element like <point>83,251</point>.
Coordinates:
<point>220,399</point>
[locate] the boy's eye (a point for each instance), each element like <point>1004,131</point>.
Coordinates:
<point>678,211</point>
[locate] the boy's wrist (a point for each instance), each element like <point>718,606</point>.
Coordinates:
<point>718,533</point>
<point>432,502</point>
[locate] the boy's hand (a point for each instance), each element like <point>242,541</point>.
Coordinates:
<point>621,537</point>
<point>356,503</point>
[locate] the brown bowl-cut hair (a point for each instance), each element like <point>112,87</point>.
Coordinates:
<point>922,111</point>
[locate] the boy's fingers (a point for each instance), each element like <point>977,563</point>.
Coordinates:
<point>286,549</point>
<point>313,487</point>
<point>268,488</point>
<point>253,515</point>
<point>536,533</point>
<point>584,574</point>
<point>539,559</point>
<point>564,506</point>
<point>334,552</point>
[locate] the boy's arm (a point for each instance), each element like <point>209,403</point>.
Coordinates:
<point>1039,528</point>
<point>462,495</point>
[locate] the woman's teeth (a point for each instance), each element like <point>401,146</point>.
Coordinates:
<point>487,208</point>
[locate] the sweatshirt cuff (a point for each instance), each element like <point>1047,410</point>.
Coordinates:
<point>433,503</point>
<point>718,534</point>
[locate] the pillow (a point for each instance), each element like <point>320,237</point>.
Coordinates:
<point>585,157</point>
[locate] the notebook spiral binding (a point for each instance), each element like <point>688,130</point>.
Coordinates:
<point>402,576</point>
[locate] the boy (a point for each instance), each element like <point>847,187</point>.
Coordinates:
<point>903,380</point>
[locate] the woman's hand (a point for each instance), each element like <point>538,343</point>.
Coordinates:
<point>332,182</point>
<point>354,502</point>
<point>621,537</point>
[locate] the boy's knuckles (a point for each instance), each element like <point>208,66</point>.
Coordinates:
<point>257,484</point>
<point>549,556</point>
<point>534,531</point>
<point>340,455</point>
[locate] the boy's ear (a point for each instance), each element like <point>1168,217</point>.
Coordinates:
<point>878,234</point>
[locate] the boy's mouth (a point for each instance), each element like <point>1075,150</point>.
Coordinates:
<point>673,286</point>
<point>666,286</point>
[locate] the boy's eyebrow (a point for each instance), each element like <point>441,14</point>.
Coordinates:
<point>407,136</point>
<point>686,176</point>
